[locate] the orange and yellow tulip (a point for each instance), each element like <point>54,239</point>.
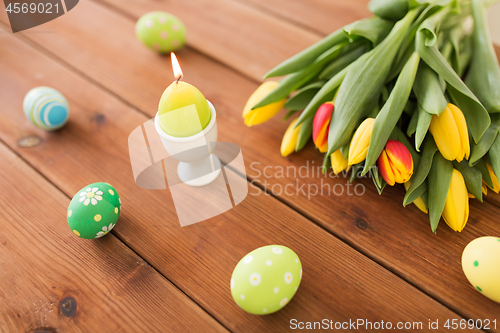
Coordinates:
<point>449,130</point>
<point>339,163</point>
<point>395,163</point>
<point>321,125</point>
<point>456,207</point>
<point>360,141</point>
<point>263,114</point>
<point>290,138</point>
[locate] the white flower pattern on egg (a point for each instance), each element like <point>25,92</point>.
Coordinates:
<point>283,301</point>
<point>90,195</point>
<point>248,259</point>
<point>277,250</point>
<point>288,277</point>
<point>105,230</point>
<point>255,279</point>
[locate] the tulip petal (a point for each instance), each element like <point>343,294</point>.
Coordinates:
<point>263,114</point>
<point>494,179</point>
<point>400,157</point>
<point>446,134</point>
<point>456,207</point>
<point>339,163</point>
<point>385,169</point>
<point>360,141</point>
<point>459,118</point>
<point>321,125</point>
<point>290,139</point>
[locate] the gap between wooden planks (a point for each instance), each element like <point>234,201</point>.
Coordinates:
<point>53,281</point>
<point>321,16</point>
<point>402,242</point>
<point>339,282</point>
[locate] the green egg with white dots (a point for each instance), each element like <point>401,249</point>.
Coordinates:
<point>266,279</point>
<point>94,210</point>
<point>481,266</point>
<point>161,32</point>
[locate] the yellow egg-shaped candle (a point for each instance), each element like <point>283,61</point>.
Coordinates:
<point>183,110</point>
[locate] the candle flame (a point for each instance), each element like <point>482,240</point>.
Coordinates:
<point>176,67</point>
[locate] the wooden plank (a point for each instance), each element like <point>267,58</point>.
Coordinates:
<point>324,16</point>
<point>52,281</point>
<point>215,28</point>
<point>339,283</point>
<point>138,78</point>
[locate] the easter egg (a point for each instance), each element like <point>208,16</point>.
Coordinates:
<point>46,108</point>
<point>161,32</point>
<point>94,210</point>
<point>481,265</point>
<point>266,279</point>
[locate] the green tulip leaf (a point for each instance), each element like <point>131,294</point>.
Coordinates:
<point>289,114</point>
<point>305,133</point>
<point>343,61</point>
<point>412,126</point>
<point>483,77</point>
<point>493,156</point>
<point>307,56</point>
<point>475,114</point>
<point>481,148</point>
<point>375,29</point>
<point>481,166</point>
<point>389,9</point>
<point>294,81</point>
<point>391,112</point>
<point>422,171</point>
<point>363,83</point>
<point>424,121</point>
<point>300,100</point>
<point>473,178</point>
<point>427,88</point>
<point>438,186</point>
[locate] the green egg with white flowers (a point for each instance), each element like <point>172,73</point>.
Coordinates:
<point>94,211</point>
<point>161,32</point>
<point>266,279</point>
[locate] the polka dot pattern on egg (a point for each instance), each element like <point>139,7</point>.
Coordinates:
<point>266,279</point>
<point>94,211</point>
<point>161,32</point>
<point>46,108</point>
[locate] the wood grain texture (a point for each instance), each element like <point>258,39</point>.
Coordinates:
<point>324,16</point>
<point>400,240</point>
<point>52,281</point>
<point>234,33</point>
<point>339,283</point>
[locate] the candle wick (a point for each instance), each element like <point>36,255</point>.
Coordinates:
<point>178,79</point>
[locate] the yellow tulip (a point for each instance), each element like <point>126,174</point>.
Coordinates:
<point>494,179</point>
<point>290,139</point>
<point>418,202</point>
<point>263,114</point>
<point>449,130</point>
<point>360,141</point>
<point>339,163</point>
<point>456,207</point>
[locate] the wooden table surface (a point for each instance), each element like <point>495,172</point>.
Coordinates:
<point>364,257</point>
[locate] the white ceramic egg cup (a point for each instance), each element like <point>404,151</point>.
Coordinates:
<point>198,166</point>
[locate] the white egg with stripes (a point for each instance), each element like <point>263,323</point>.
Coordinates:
<point>46,108</point>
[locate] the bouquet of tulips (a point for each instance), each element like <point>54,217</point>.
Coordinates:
<point>410,95</point>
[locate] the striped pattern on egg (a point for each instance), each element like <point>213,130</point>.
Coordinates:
<point>46,108</point>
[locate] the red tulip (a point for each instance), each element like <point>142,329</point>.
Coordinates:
<point>321,123</point>
<point>395,163</point>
